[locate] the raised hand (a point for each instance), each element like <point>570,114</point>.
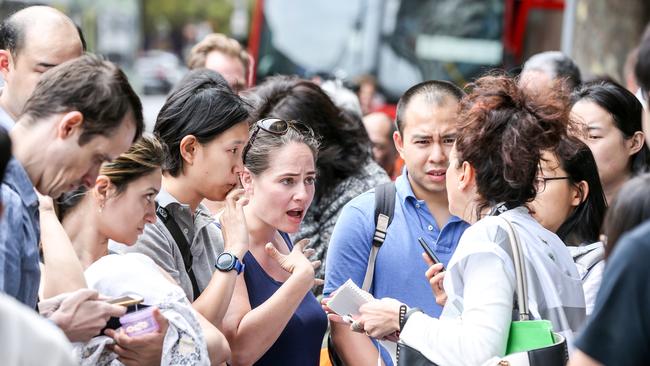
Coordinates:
<point>436,275</point>
<point>295,262</point>
<point>233,223</point>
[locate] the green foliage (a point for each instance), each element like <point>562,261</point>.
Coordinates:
<point>177,13</point>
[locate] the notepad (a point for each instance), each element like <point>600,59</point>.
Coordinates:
<point>348,299</point>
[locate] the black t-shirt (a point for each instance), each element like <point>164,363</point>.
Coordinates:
<point>618,331</point>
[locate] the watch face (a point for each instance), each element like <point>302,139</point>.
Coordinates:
<point>225,261</point>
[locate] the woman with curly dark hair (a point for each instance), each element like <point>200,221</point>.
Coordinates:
<point>345,167</point>
<point>493,166</point>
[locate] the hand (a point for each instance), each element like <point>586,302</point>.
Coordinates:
<point>331,315</point>
<point>436,275</point>
<point>144,349</point>
<point>380,318</point>
<point>233,223</point>
<point>296,261</point>
<point>80,314</point>
<point>45,203</point>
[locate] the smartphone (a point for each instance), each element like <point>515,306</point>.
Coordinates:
<point>429,252</point>
<point>127,300</point>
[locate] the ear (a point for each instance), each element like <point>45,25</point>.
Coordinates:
<point>70,124</point>
<point>102,190</point>
<point>399,143</point>
<point>189,147</point>
<point>247,180</point>
<point>5,61</point>
<point>466,176</point>
<point>580,193</point>
<point>636,142</point>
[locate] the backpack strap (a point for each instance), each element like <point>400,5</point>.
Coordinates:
<point>384,210</point>
<point>181,243</point>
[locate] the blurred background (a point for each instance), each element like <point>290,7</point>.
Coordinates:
<point>384,45</point>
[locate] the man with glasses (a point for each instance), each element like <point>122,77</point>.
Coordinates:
<point>426,131</point>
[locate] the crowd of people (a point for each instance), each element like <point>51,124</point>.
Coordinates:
<point>228,231</point>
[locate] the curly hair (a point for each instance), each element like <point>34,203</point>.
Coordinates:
<point>502,131</point>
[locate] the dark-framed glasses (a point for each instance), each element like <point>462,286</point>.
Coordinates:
<point>540,182</point>
<point>278,127</point>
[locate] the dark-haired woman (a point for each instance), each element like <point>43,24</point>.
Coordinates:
<point>491,173</point>
<point>345,166</point>
<point>273,318</point>
<point>614,132</point>
<point>204,127</point>
<point>570,202</point>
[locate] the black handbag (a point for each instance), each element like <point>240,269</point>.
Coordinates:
<point>409,356</point>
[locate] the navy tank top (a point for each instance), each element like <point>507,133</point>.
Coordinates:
<point>300,342</point>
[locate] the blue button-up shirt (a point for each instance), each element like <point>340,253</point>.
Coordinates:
<point>399,271</point>
<point>19,236</point>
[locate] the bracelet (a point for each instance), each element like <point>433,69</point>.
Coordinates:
<point>407,315</point>
<point>402,316</point>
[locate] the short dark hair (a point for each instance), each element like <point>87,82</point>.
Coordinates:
<point>96,88</point>
<point>626,111</point>
<point>630,208</point>
<point>502,131</point>
<point>5,152</point>
<point>584,223</point>
<point>435,92</point>
<point>345,146</point>
<point>201,105</point>
<point>642,67</point>
<point>12,36</point>
<point>558,65</point>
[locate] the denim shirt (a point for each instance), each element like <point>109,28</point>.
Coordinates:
<point>20,274</point>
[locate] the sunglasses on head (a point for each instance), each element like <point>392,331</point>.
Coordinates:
<point>276,127</point>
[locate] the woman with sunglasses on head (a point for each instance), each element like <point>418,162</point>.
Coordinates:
<point>613,131</point>
<point>570,202</point>
<point>204,127</point>
<point>492,168</point>
<point>345,165</point>
<point>273,318</point>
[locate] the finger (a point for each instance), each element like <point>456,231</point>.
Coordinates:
<point>309,252</point>
<point>273,253</point>
<point>318,282</point>
<point>163,323</point>
<point>316,264</point>
<point>300,246</point>
<point>124,353</point>
<point>108,310</point>
<point>242,201</point>
<point>336,318</point>
<point>427,259</point>
<point>356,326</point>
<point>78,297</point>
<point>110,333</point>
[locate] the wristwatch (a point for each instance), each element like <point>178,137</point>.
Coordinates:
<point>227,262</point>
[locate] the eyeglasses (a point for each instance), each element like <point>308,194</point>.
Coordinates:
<point>540,182</point>
<point>276,127</point>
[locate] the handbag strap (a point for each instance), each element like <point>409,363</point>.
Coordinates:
<point>181,243</point>
<point>520,270</point>
<point>384,210</point>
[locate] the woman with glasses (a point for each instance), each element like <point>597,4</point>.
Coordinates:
<point>612,119</point>
<point>273,318</point>
<point>492,169</point>
<point>345,165</point>
<point>570,202</point>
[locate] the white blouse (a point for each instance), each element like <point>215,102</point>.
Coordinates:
<point>480,286</point>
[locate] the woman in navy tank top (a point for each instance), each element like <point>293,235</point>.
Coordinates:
<point>274,319</point>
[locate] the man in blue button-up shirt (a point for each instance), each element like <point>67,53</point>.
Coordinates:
<point>426,123</point>
<point>82,113</point>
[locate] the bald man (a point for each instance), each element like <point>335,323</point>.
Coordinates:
<point>32,41</point>
<point>380,129</point>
